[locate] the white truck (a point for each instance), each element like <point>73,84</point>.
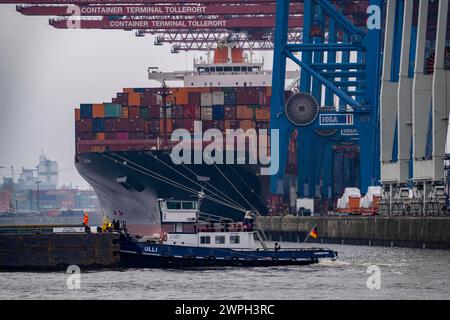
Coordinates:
<point>305,206</point>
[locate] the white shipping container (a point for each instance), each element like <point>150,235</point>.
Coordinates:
<point>218,98</point>
<point>206,100</point>
<point>206,113</point>
<point>168,113</point>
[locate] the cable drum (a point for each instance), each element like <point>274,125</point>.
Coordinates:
<point>302,109</point>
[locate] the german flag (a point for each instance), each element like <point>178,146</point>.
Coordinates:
<point>314,233</point>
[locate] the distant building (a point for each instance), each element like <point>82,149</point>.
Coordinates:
<point>48,173</point>
<point>5,201</point>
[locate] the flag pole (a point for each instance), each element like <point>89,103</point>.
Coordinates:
<point>309,233</point>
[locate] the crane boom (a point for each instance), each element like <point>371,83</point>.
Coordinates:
<point>154,10</point>
<point>167,24</point>
<point>172,9</point>
<point>133,1</point>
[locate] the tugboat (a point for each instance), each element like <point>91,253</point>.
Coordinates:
<point>195,243</point>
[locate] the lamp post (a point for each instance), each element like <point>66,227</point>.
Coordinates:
<point>37,183</point>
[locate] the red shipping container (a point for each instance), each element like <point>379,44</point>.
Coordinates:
<point>232,124</point>
<point>207,124</point>
<point>111,124</point>
<point>86,136</point>
<point>194,98</point>
<point>130,125</point>
<point>122,135</point>
<point>85,125</point>
<point>219,124</point>
<point>177,124</point>
<point>230,112</point>
<point>191,111</point>
<point>262,125</point>
<point>110,135</point>
<point>246,95</point>
<point>153,112</point>
<point>177,112</point>
<point>153,135</point>
<point>153,125</point>
<point>188,124</point>
<point>137,135</point>
<point>149,98</point>
<point>133,112</point>
<point>77,128</point>
<point>122,98</point>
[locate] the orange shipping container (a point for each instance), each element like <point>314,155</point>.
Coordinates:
<point>247,124</point>
<point>128,90</point>
<point>262,114</point>
<point>134,99</point>
<point>204,90</point>
<point>244,113</point>
<point>269,91</point>
<point>98,110</point>
<point>169,125</point>
<point>125,112</point>
<point>77,115</point>
<point>181,96</point>
<point>100,136</point>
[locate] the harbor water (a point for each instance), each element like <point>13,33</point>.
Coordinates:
<point>403,274</point>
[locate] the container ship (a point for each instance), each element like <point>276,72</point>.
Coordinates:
<point>123,147</point>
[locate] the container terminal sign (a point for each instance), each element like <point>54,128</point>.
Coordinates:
<point>333,119</point>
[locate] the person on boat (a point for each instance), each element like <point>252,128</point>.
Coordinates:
<point>248,221</point>
<point>105,224</point>
<point>277,246</point>
<point>86,219</point>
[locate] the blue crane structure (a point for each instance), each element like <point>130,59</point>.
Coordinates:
<point>327,33</point>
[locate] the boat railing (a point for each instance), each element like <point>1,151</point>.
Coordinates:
<point>223,227</point>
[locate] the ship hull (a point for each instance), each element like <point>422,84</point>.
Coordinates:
<point>129,184</point>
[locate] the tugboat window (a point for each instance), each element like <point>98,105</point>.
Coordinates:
<point>173,205</point>
<point>220,239</point>
<point>205,240</point>
<point>189,205</point>
<point>235,239</point>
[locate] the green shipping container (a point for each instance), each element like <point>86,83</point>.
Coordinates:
<point>113,110</point>
<point>144,113</point>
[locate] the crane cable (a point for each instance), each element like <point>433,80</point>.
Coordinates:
<point>198,184</point>
<point>171,182</point>
<point>214,164</point>
<point>212,186</point>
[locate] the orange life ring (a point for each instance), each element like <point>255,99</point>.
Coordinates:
<point>163,237</point>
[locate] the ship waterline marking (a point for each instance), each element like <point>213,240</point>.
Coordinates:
<point>229,150</point>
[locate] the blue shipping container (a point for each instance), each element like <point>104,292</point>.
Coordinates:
<point>98,125</point>
<point>218,112</point>
<point>230,98</point>
<point>86,110</point>
<point>113,110</point>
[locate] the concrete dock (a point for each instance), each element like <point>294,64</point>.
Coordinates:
<point>414,232</point>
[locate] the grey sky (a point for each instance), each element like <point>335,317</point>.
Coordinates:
<point>45,73</point>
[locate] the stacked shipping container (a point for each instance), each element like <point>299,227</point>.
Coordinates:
<point>136,115</point>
